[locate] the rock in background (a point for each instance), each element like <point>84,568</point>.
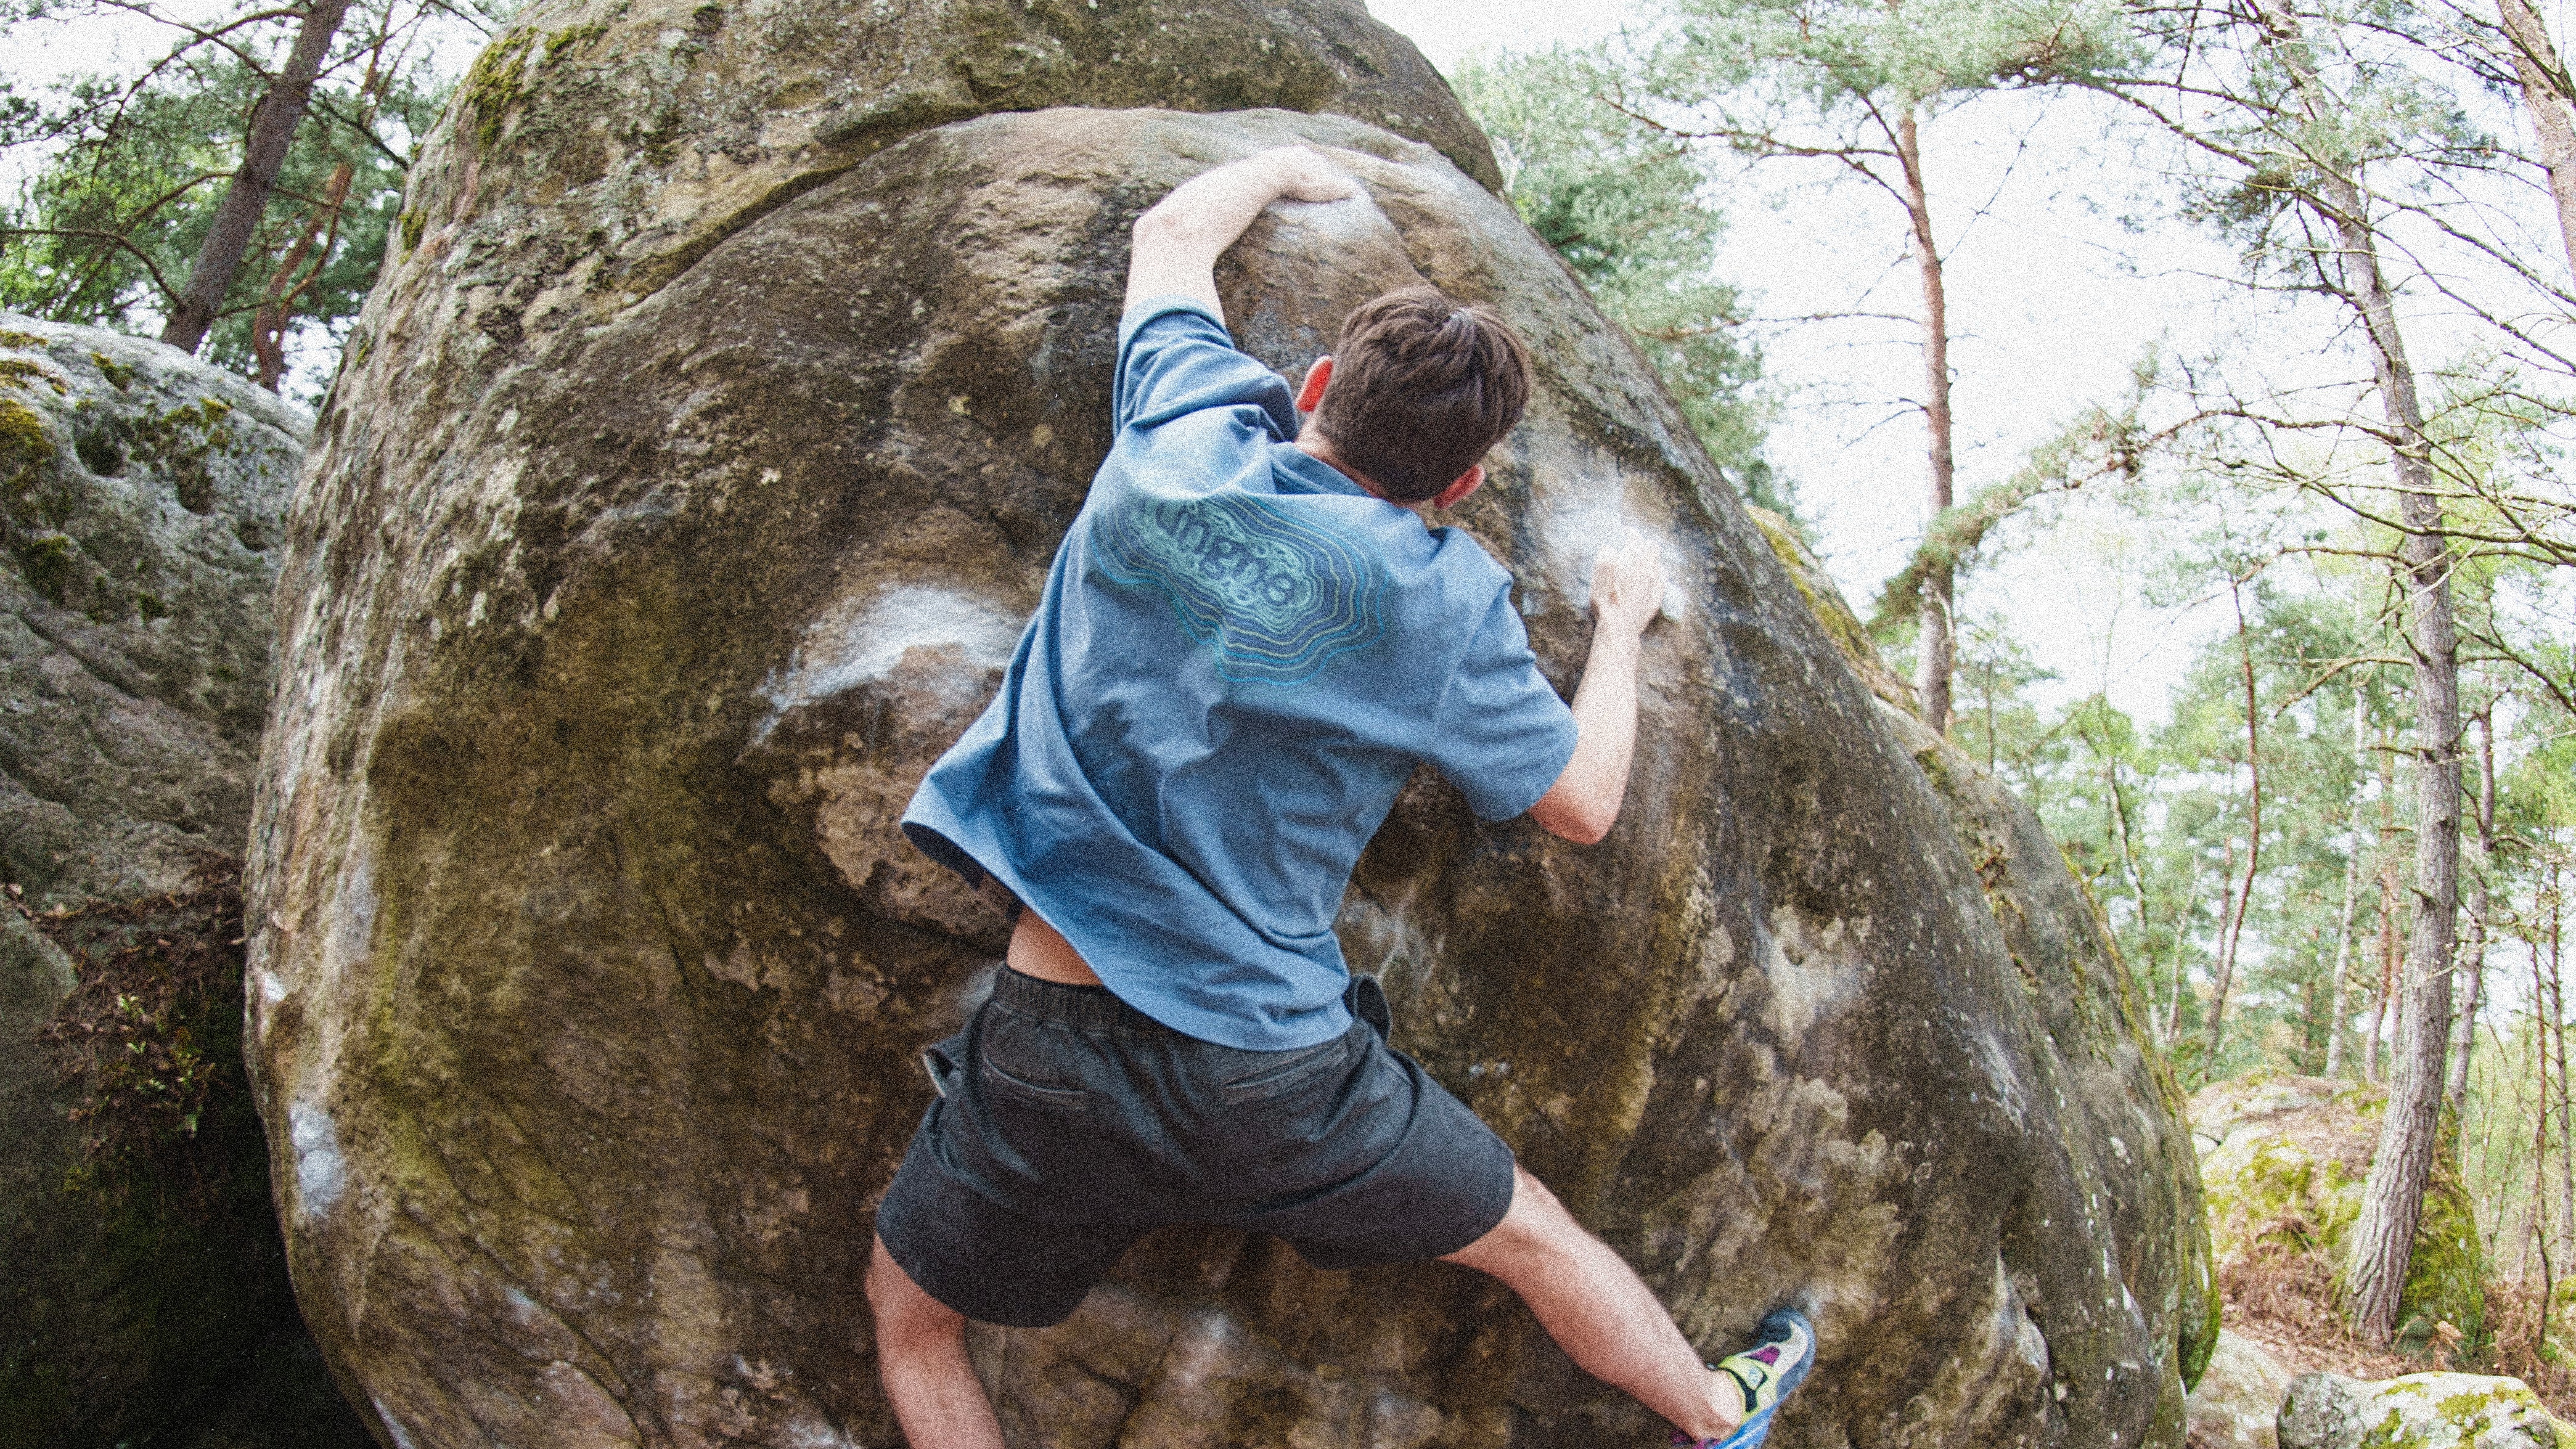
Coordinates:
<point>2417,1411</point>
<point>141,497</point>
<point>2237,1403</point>
<point>688,481</point>
<point>2283,1160</point>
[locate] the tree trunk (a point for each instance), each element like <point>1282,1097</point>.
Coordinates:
<point>2540,1154</point>
<point>2535,64</point>
<point>2383,1238</point>
<point>272,130</point>
<point>1936,647</point>
<point>2244,903</point>
<point>2464,1034</point>
<point>2351,893</point>
<point>2138,890</point>
<point>2557,1040</point>
<point>2554,1041</point>
<point>277,308</point>
<point>2392,1205</point>
<point>2389,939</point>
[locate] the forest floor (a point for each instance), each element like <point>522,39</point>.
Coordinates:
<point>2287,1306</point>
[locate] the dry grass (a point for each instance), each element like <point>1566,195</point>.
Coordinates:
<point>2284,1300</point>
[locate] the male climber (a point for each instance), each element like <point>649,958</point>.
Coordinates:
<point>1248,640</point>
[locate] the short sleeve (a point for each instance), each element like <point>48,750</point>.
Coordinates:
<point>1174,359</point>
<point>1504,736</point>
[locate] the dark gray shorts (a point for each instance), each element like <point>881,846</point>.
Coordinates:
<point>1069,1123</point>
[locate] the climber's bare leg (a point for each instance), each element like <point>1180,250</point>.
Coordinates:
<point>1592,1303</point>
<point>921,1355</point>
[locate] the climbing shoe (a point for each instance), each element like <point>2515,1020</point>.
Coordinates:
<point>1784,1347</point>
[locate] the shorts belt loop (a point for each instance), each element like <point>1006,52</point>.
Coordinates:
<point>1366,1000</point>
<point>942,1070</point>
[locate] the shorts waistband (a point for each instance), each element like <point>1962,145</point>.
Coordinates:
<point>1088,1006</point>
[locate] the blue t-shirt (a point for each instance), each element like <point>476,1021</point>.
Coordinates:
<point>1239,658</point>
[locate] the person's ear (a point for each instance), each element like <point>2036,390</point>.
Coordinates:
<point>1456,493</point>
<point>1310,396</point>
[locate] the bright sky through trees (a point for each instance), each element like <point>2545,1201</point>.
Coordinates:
<point>2053,299</point>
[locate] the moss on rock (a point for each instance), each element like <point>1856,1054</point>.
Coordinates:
<point>492,84</point>
<point>2284,1161</point>
<point>26,453</point>
<point>18,373</point>
<point>2416,1411</point>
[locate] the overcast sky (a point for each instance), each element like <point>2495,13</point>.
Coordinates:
<point>2050,304</point>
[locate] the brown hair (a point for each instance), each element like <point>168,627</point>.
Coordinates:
<point>1421,388</point>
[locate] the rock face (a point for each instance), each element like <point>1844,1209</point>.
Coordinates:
<point>142,495</point>
<point>2417,1411</point>
<point>628,599</point>
<point>2237,1403</point>
<point>2283,1160</point>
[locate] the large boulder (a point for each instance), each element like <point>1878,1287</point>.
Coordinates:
<point>2237,1403</point>
<point>2417,1411</point>
<point>142,496</point>
<point>626,603</point>
<point>2283,1161</point>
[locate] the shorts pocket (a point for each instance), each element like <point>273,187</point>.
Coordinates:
<point>1029,1062</point>
<point>1039,1092</point>
<point>1291,1071</point>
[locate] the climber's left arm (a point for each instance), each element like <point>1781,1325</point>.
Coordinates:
<point>1179,238</point>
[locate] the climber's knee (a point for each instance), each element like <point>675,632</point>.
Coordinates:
<point>904,1313</point>
<point>1534,1228</point>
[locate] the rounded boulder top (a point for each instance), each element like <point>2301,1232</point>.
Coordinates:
<point>598,148</point>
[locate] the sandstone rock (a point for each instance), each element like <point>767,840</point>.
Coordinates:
<point>2322,1411</point>
<point>2237,1403</point>
<point>141,495</point>
<point>598,148</point>
<point>2283,1160</point>
<point>2086,1003</point>
<point>2417,1411</point>
<point>590,971</point>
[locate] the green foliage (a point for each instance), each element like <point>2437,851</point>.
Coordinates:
<point>1765,62</point>
<point>153,1033</point>
<point>2157,819</point>
<point>2315,94</point>
<point>1625,207</point>
<point>105,230</point>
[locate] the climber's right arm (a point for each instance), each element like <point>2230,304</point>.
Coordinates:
<point>1179,238</point>
<point>1627,590</point>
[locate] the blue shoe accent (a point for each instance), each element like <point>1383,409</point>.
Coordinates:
<point>1784,1348</point>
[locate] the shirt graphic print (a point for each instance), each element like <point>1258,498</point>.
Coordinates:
<point>1277,595</point>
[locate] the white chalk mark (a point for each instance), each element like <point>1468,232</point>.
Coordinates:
<point>321,1174</point>
<point>1578,529</point>
<point>859,640</point>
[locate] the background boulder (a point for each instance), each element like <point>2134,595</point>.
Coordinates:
<point>2283,1160</point>
<point>142,495</point>
<point>2417,1411</point>
<point>2237,1403</point>
<point>639,575</point>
